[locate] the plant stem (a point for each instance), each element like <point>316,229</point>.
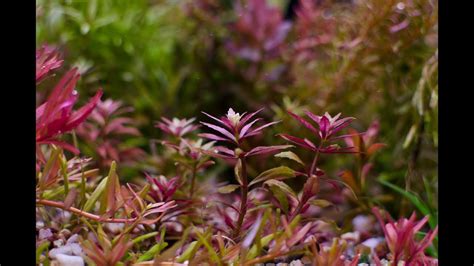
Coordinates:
<point>91,216</point>
<point>310,173</point>
<point>267,257</point>
<point>243,198</point>
<point>193,181</point>
<point>313,165</point>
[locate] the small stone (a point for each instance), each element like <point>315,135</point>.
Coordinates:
<point>45,233</point>
<point>372,243</point>
<point>66,260</point>
<point>115,228</point>
<point>296,263</point>
<point>73,239</point>
<point>351,236</point>
<point>39,224</point>
<point>363,223</point>
<point>58,243</point>
<point>69,249</point>
<point>65,233</point>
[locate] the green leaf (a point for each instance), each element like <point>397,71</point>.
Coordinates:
<point>47,168</point>
<point>280,195</point>
<point>264,241</point>
<point>281,172</point>
<point>238,171</point>
<point>50,194</point>
<point>410,136</point>
<point>260,206</point>
<point>190,251</point>
<point>321,203</point>
<point>107,203</point>
<point>95,195</point>
<point>63,164</point>
<point>143,237</point>
<point>149,254</point>
<point>39,250</point>
<point>228,189</point>
<point>289,155</point>
<point>210,249</point>
<point>421,206</point>
<point>281,185</point>
<point>170,253</point>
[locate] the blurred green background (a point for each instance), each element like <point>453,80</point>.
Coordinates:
<point>370,59</point>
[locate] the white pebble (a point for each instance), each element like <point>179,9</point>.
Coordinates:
<point>66,260</point>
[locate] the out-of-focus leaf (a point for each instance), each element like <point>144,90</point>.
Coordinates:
<point>210,249</point>
<point>249,238</point>
<point>410,136</point>
<point>143,237</point>
<point>70,198</point>
<point>170,253</point>
<point>280,172</point>
<point>420,205</point>
<point>228,189</point>
<point>295,238</point>
<point>289,155</point>
<point>333,181</point>
<point>375,147</point>
<point>264,241</point>
<point>348,177</point>
<point>155,249</point>
<point>39,250</point>
<point>321,203</point>
<point>102,238</point>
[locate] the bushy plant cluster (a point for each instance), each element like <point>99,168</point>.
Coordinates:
<point>209,132</point>
<point>187,216</point>
<point>373,59</point>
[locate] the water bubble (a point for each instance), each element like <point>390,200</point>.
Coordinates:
<point>74,92</point>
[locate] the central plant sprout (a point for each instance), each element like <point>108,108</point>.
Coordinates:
<point>233,129</point>
<point>328,126</point>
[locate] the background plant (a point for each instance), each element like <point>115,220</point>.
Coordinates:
<point>371,59</point>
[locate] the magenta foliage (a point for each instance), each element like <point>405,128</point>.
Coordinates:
<point>234,128</point>
<point>176,127</point>
<point>260,31</point>
<point>103,129</point>
<point>400,237</point>
<point>313,27</point>
<point>327,127</point>
<point>56,115</point>
<point>47,59</point>
<point>162,189</point>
